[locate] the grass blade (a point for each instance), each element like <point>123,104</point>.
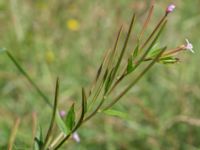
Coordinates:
<point>45,98</point>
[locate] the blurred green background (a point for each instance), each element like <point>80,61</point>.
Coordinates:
<point>67,38</point>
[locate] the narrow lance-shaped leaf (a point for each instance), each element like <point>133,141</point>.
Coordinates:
<point>38,141</point>
<point>135,81</point>
<point>135,52</point>
<point>105,75</point>
<point>110,57</point>
<point>163,19</point>
<point>116,113</point>
<point>98,72</point>
<point>61,124</point>
<point>168,60</point>
<point>78,123</point>
<point>150,46</point>
<point>130,65</point>
<point>155,40</point>
<point>49,132</point>
<point>124,47</point>
<point>109,80</point>
<point>154,52</point>
<point>84,101</point>
<point>83,111</point>
<point>70,118</point>
<point>113,52</point>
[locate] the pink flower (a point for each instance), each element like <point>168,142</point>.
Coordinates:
<point>170,8</point>
<point>76,137</point>
<point>189,46</point>
<point>62,113</point>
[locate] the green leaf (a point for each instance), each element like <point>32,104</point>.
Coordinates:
<point>105,75</point>
<point>152,44</point>
<point>61,124</point>
<point>116,113</point>
<point>99,72</point>
<point>84,101</point>
<point>83,111</point>
<point>130,65</point>
<point>154,52</point>
<point>38,141</point>
<point>70,118</point>
<point>109,80</point>
<point>168,60</point>
<point>135,52</point>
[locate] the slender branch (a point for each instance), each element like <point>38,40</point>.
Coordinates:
<point>154,31</point>
<point>109,63</point>
<point>45,98</point>
<point>53,115</point>
<point>124,47</point>
<point>142,58</point>
<point>96,110</point>
<point>104,60</point>
<point>79,123</point>
<point>135,81</point>
<point>118,81</point>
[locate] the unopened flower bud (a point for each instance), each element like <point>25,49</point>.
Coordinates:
<point>170,8</point>
<point>62,113</point>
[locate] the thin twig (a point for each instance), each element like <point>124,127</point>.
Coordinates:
<point>45,98</point>
<point>153,32</point>
<point>135,81</point>
<point>53,115</point>
<point>79,123</point>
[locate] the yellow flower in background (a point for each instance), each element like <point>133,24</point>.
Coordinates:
<point>49,56</point>
<point>73,25</point>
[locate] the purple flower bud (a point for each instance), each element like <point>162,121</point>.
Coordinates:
<point>170,8</point>
<point>62,113</point>
<point>76,137</point>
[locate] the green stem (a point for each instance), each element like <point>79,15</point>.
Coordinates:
<point>79,123</point>
<point>135,81</point>
<point>111,57</point>
<point>45,98</point>
<point>124,47</point>
<point>154,31</point>
<point>53,115</point>
<point>142,58</point>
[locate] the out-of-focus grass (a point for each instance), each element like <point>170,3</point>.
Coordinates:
<point>163,107</point>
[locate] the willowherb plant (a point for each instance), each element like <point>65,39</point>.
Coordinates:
<point>109,74</point>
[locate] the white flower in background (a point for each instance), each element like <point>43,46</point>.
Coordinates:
<point>189,46</point>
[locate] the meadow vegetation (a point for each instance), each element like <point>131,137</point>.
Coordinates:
<point>67,39</point>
